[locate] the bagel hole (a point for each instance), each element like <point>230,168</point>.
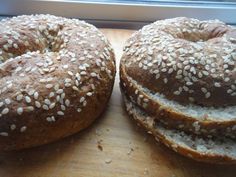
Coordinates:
<point>203,35</point>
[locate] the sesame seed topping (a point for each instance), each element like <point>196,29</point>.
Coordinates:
<point>7,101</point>
<point>23,129</point>
<point>3,134</point>
<point>81,99</point>
<point>52,105</point>
<point>27,99</point>
<point>217,84</point>
<point>207,95</point>
<point>19,97</point>
<point>67,102</point>
<point>49,86</point>
<point>59,91</point>
<point>13,127</point>
<point>60,113</point>
<point>89,94</point>
<point>19,110</point>
<point>36,95</point>
<point>37,104</point>
<point>45,107</point>
<point>5,111</point>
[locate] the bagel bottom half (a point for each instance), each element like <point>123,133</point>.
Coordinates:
<point>220,150</point>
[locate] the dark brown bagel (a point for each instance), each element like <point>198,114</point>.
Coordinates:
<point>56,78</point>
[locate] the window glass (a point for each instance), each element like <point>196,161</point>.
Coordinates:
<point>164,1</point>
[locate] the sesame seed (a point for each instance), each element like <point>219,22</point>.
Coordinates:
<point>68,80</point>
<point>189,83</point>
<point>177,92</point>
<point>13,127</point>
<point>15,46</point>
<point>23,129</point>
<point>7,101</point>
<point>63,108</point>
<point>5,47</point>
<point>165,80</point>
<point>49,86</point>
<point>29,108</point>
<point>19,110</point>
<point>5,111</point>
<point>45,107</point>
<point>56,87</point>
<point>60,113</point>
<point>19,97</point>
<point>70,73</point>
<point>83,73</point>
<point>227,79</point>
<point>27,99</point>
<point>52,105</point>
<point>51,119</point>
<point>60,91</point>
<point>79,110</point>
<point>75,88</point>
<point>205,73</point>
<point>84,103</point>
<point>37,104</point>
<point>207,95</point>
<point>89,94</point>
<point>51,94</point>
<point>47,101</point>
<point>31,92</point>
<point>217,84</point>
<point>67,102</point>
<point>204,90</point>
<point>65,66</point>
<point>93,74</point>
<point>3,134</point>
<point>82,99</point>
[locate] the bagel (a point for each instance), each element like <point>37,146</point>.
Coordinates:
<point>181,72</point>
<point>56,77</point>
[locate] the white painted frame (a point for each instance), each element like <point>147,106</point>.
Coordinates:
<point>121,12</point>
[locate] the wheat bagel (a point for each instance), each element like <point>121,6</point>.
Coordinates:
<point>181,72</point>
<point>56,77</point>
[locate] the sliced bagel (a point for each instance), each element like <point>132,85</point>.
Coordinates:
<point>220,150</point>
<point>207,121</point>
<point>182,71</point>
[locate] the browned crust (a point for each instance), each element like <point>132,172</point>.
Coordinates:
<point>171,118</point>
<point>187,152</point>
<point>74,87</point>
<point>161,57</point>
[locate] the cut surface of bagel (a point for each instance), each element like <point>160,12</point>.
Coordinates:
<point>213,150</point>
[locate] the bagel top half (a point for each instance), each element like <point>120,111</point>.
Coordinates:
<point>56,76</point>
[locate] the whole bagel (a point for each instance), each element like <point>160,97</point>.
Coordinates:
<point>56,77</point>
<point>181,72</point>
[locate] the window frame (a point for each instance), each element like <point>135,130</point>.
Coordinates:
<point>121,12</point>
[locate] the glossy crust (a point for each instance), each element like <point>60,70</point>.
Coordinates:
<point>56,78</point>
<point>161,136</point>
